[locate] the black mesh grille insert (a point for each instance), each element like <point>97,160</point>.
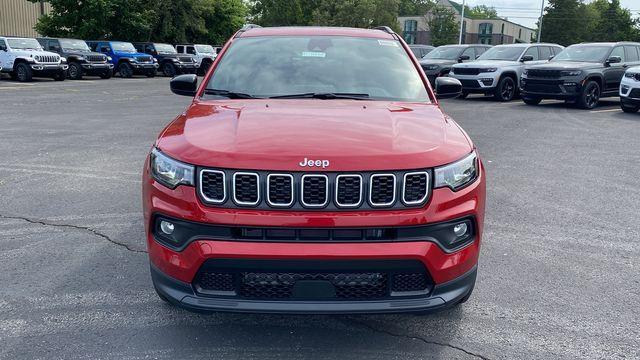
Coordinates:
<point>348,286</point>
<point>466,71</point>
<point>216,281</point>
<point>415,187</point>
<point>540,73</point>
<point>212,184</point>
<point>469,83</point>
<point>246,188</point>
<point>349,190</point>
<point>314,190</point>
<point>96,58</point>
<point>635,93</point>
<point>280,189</point>
<point>383,188</point>
<point>410,282</point>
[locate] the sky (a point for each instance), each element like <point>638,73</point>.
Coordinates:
<point>526,12</point>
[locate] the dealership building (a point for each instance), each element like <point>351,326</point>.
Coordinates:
<point>415,29</point>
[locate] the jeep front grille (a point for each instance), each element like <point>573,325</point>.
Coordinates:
<point>96,58</point>
<point>145,58</point>
<point>185,59</point>
<point>313,191</point>
<point>540,73</point>
<point>48,58</point>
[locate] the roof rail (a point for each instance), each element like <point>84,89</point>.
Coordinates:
<point>385,29</point>
<point>247,27</point>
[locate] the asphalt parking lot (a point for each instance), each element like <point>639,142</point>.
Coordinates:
<point>559,274</point>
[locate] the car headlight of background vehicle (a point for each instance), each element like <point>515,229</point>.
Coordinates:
<point>570,72</point>
<point>635,76</point>
<point>430,67</point>
<point>170,172</point>
<point>486,70</point>
<point>458,174</point>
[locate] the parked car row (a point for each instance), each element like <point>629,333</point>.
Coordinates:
<point>24,58</point>
<point>581,74</point>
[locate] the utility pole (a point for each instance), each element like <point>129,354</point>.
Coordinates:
<point>540,21</point>
<point>462,22</point>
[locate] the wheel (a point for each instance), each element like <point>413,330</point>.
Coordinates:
<point>23,72</point>
<point>506,89</point>
<point>75,71</point>
<point>531,100</point>
<point>60,76</point>
<point>589,96</point>
<point>125,70</point>
<point>151,73</point>
<point>168,69</point>
<point>107,74</point>
<point>629,109</point>
<point>204,67</point>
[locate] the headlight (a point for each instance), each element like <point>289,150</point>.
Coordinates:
<point>635,76</point>
<point>155,60</point>
<point>570,72</point>
<point>80,58</point>
<point>458,174</point>
<point>489,70</point>
<point>170,172</point>
<point>133,59</point>
<point>36,58</point>
<point>430,67</point>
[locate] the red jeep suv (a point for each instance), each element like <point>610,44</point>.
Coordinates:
<point>314,172</point>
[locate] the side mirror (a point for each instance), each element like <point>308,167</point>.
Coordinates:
<point>551,57</point>
<point>447,87</point>
<point>526,58</point>
<point>614,60</point>
<point>463,58</point>
<point>186,85</point>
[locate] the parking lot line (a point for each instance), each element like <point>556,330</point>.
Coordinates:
<point>604,110</point>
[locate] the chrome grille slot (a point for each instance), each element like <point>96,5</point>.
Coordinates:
<point>185,59</point>
<point>280,190</point>
<point>382,190</point>
<point>96,58</point>
<point>213,186</point>
<point>348,190</point>
<point>415,188</point>
<point>246,188</point>
<point>314,190</point>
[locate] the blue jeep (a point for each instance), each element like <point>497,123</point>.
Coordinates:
<point>125,58</point>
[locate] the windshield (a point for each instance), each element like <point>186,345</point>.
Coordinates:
<point>511,53</point>
<point>123,46</point>
<point>207,49</point>
<point>165,49</point>
<point>73,44</point>
<point>280,66</point>
<point>445,53</point>
<point>583,53</point>
<point>24,44</point>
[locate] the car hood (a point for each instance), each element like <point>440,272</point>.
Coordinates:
<point>279,134</point>
<point>33,53</point>
<point>565,65</point>
<point>437,62</point>
<point>130,55</point>
<point>82,53</point>
<point>488,63</point>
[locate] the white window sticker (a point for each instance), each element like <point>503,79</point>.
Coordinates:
<point>388,43</point>
<point>313,54</point>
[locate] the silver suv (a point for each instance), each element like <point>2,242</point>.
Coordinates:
<point>497,72</point>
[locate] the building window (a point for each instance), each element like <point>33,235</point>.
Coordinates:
<point>409,31</point>
<point>519,33</point>
<point>485,31</point>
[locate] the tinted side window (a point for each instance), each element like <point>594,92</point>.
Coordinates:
<point>480,50</point>
<point>470,53</point>
<point>545,52</point>
<point>533,51</point>
<point>191,50</point>
<point>54,45</point>
<point>631,53</point>
<point>557,50</point>
<point>105,48</point>
<point>618,51</point>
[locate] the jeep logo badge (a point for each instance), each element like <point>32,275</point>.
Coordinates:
<point>314,163</point>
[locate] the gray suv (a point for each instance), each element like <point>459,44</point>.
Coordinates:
<point>438,62</point>
<point>497,72</point>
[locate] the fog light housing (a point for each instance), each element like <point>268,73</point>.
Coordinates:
<point>487,81</point>
<point>166,227</point>
<point>460,230</point>
<point>570,84</point>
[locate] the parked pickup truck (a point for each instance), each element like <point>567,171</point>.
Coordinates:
<point>24,58</point>
<point>126,59</point>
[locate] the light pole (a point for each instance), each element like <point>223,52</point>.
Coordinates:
<point>462,22</point>
<point>540,21</point>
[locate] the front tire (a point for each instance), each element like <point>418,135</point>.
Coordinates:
<point>169,70</point>
<point>107,74</point>
<point>506,89</point>
<point>589,96</point>
<point>151,73</point>
<point>61,76</point>
<point>531,100</point>
<point>125,70</point>
<point>629,109</point>
<point>23,73</point>
<point>75,71</point>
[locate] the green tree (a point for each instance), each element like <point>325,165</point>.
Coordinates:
<point>357,13</point>
<point>481,12</point>
<point>566,22</point>
<point>414,7</point>
<point>613,23</point>
<point>282,12</point>
<point>443,26</point>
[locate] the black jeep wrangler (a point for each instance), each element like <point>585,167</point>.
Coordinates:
<point>171,63</point>
<point>580,74</point>
<point>82,61</point>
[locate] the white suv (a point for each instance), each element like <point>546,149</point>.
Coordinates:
<point>630,90</point>
<point>24,58</point>
<point>203,54</point>
<point>497,71</point>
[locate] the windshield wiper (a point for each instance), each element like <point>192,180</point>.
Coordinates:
<point>324,96</point>
<point>229,94</point>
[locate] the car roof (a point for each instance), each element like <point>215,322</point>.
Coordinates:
<point>608,43</point>
<point>315,31</point>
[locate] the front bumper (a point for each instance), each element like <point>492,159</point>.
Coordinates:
<point>558,89</point>
<point>96,68</point>
<point>175,270</point>
<point>43,69</point>
<point>484,83</point>
<point>143,68</point>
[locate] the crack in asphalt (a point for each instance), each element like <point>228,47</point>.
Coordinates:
<point>414,337</point>
<point>76,227</point>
